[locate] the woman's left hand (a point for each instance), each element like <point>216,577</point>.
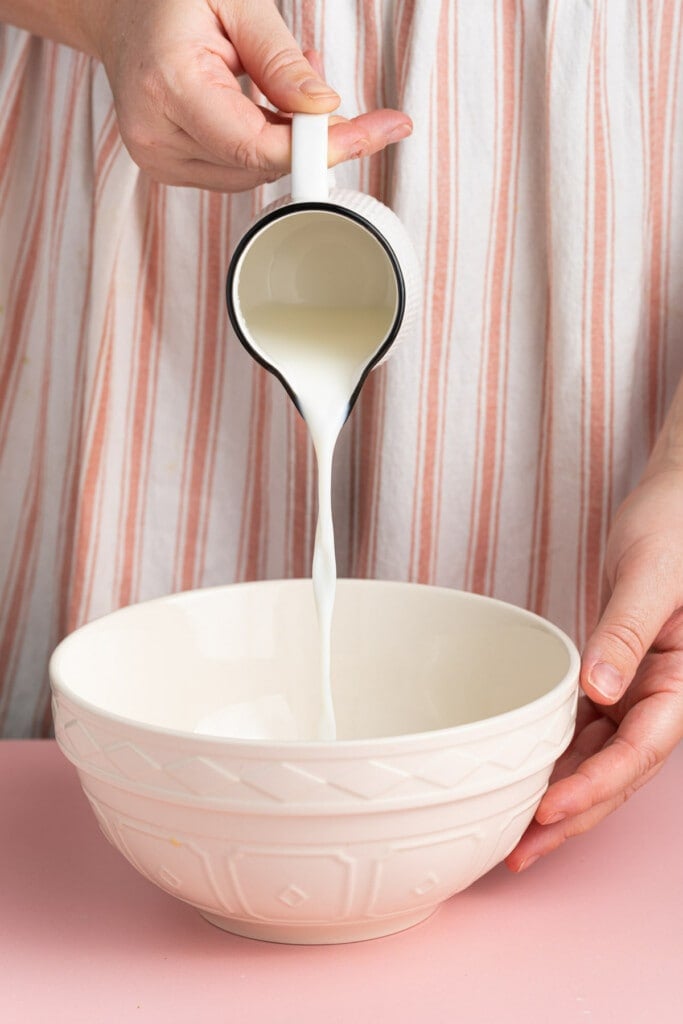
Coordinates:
<point>632,671</point>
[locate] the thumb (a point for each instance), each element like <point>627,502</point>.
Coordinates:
<point>273,60</point>
<point>640,604</point>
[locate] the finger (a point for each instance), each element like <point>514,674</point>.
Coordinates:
<point>670,636</point>
<point>586,713</point>
<point>366,134</point>
<point>592,738</point>
<point>179,145</point>
<point>227,179</point>
<point>644,739</point>
<point>198,173</point>
<point>539,840</point>
<point>272,58</point>
<point>228,53</point>
<point>642,600</point>
<point>212,109</point>
<point>180,148</point>
<point>237,132</point>
<point>315,59</point>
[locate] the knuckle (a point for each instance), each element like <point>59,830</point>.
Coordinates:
<point>138,145</point>
<point>153,87</point>
<point>139,141</point>
<point>271,176</point>
<point>622,797</point>
<point>150,167</point>
<point>285,63</point>
<point>246,155</point>
<point>627,633</point>
<point>143,112</point>
<point>644,758</point>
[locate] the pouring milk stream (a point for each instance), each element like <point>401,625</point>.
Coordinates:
<point>316,292</point>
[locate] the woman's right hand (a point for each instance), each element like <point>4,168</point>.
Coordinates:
<point>173,67</point>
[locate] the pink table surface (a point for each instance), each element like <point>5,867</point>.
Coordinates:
<point>592,933</point>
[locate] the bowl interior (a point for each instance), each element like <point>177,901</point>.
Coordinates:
<point>243,660</point>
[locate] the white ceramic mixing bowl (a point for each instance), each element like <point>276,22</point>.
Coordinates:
<point>451,712</point>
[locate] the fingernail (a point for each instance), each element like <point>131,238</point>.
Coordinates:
<point>554,818</point>
<point>400,132</point>
<point>316,89</point>
<point>606,680</point>
<point>528,862</point>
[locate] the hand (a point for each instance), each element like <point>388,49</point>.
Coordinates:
<point>632,672</point>
<point>173,67</point>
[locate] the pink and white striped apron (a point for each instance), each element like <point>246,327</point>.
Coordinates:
<point>142,452</point>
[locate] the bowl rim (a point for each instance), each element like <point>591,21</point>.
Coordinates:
<point>492,725</point>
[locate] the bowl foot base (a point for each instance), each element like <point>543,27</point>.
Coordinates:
<point>320,934</point>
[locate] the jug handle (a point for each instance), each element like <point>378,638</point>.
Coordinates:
<point>310,176</point>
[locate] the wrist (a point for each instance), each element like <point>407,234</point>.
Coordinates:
<point>74,23</point>
<point>89,25</point>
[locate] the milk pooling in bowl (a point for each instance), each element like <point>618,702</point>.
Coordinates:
<point>322,353</point>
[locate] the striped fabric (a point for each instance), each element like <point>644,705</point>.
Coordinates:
<point>142,452</point>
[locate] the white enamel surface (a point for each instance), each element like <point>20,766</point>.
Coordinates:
<point>309,157</point>
<point>314,258</point>
<point>451,711</point>
<point>363,273</point>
